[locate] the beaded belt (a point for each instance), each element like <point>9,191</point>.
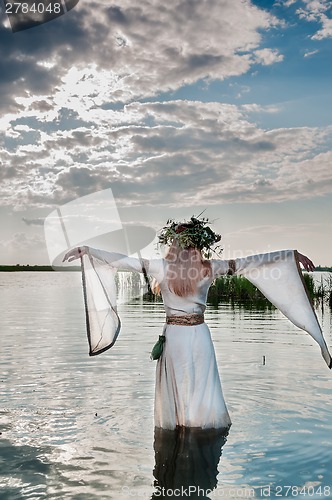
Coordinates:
<point>186,320</point>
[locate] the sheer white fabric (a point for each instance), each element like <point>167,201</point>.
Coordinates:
<point>280,279</point>
<point>188,389</point>
<point>102,320</point>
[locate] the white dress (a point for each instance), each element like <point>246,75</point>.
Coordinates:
<point>188,391</point>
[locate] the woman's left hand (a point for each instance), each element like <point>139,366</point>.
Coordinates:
<point>306,262</point>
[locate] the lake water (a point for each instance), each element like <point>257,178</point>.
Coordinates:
<point>82,428</point>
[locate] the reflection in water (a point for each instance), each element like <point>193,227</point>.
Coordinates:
<point>186,461</point>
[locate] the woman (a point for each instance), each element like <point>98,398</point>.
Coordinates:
<point>188,391</point>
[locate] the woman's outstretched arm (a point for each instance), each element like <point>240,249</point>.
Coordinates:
<point>120,261</point>
<point>235,266</point>
<point>114,259</point>
<point>278,276</point>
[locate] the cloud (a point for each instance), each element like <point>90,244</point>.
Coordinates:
<point>267,57</point>
<point>257,108</point>
<point>310,53</point>
<point>288,3</point>
<point>326,30</point>
<point>70,117</point>
<point>171,153</point>
<point>317,11</point>
<point>73,122</point>
<point>100,53</point>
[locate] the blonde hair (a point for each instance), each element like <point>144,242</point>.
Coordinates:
<point>186,268</point>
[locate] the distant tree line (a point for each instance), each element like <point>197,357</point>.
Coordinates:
<point>27,267</point>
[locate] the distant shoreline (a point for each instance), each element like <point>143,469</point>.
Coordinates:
<point>20,268</point>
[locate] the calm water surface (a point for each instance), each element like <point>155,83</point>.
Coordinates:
<point>82,428</point>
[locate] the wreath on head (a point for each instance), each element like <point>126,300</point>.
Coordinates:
<point>194,233</point>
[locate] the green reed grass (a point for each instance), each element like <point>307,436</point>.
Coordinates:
<point>320,293</point>
<point>238,290</point>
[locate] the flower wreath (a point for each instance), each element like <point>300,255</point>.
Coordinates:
<point>195,233</point>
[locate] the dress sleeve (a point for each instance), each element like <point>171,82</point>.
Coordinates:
<point>219,267</point>
<point>117,260</point>
<point>153,267</point>
<point>99,290</point>
<point>99,268</point>
<point>278,276</point>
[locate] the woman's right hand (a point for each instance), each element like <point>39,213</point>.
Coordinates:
<point>75,253</point>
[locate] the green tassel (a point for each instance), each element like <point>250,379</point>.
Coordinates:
<point>158,348</point>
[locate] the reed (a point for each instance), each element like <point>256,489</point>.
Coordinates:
<point>320,291</point>
<point>237,289</point>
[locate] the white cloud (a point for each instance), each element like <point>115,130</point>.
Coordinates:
<point>23,128</point>
<point>79,136</point>
<point>267,56</point>
<point>257,108</point>
<point>311,53</point>
<point>62,137</point>
<point>168,153</point>
<point>326,30</point>
<point>317,6</point>
<point>127,51</point>
<point>316,11</point>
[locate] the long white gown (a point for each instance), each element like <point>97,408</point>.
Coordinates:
<point>188,390</point>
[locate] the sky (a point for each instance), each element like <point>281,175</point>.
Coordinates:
<point>176,107</point>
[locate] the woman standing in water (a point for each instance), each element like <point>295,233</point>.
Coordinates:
<point>188,391</point>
